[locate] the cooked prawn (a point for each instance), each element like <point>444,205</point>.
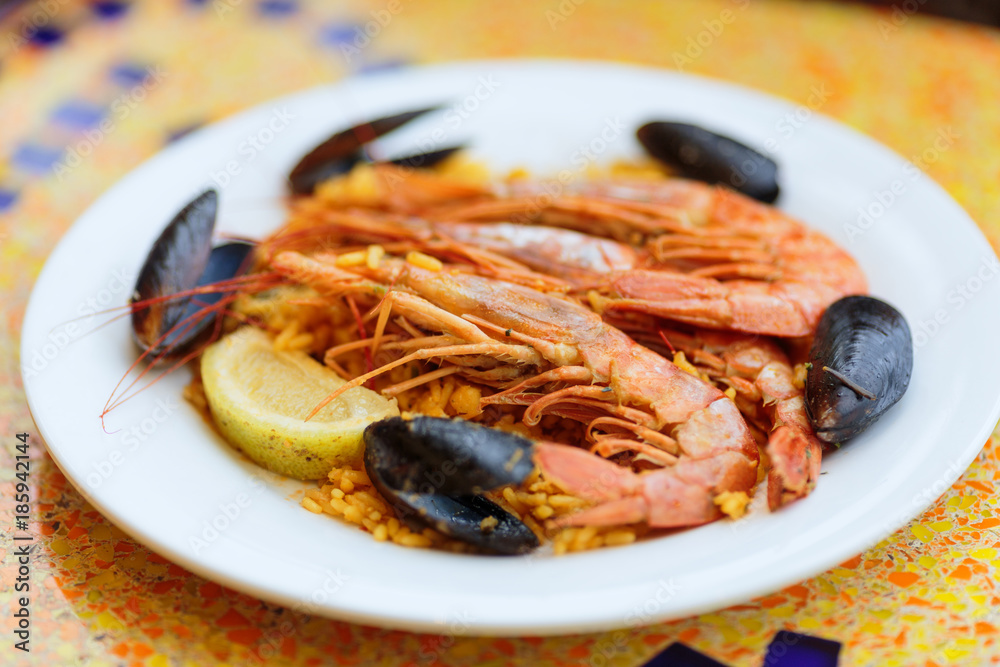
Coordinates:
<point>768,396</point>
<point>720,259</point>
<point>571,364</point>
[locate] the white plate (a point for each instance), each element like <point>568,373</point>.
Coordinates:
<point>164,476</point>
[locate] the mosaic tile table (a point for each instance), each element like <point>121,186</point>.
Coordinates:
<point>926,87</point>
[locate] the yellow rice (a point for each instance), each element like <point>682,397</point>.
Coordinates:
<point>300,319</point>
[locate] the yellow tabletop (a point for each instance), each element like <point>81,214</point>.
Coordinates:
<point>927,88</point>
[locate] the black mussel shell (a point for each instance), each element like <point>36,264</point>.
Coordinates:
<point>455,456</point>
<point>226,261</point>
<point>343,150</point>
<point>303,181</point>
<point>432,469</point>
<point>868,342</point>
<point>175,264</point>
<point>712,158</point>
<point>462,518</point>
<point>425,160</point>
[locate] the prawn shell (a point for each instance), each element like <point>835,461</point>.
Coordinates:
<point>418,464</point>
<point>713,158</point>
<point>869,342</point>
<point>175,264</point>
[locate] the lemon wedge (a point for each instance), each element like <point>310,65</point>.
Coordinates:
<point>259,399</point>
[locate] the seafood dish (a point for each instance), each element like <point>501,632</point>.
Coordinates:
<point>493,365</point>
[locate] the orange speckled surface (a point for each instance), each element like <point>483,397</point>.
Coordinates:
<point>924,596</point>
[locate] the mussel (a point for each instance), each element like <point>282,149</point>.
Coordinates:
<point>433,471</point>
<point>706,156</point>
<point>861,360</point>
<point>345,149</point>
<point>182,259</point>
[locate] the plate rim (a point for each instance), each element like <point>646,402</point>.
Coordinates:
<point>791,575</point>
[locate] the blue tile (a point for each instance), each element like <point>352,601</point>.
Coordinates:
<point>35,158</point>
<point>78,115</point>
<point>109,9</point>
<point>126,74</point>
<point>7,199</point>
<point>336,34</point>
<point>791,649</point>
<point>679,655</point>
<point>46,35</point>
<point>277,8</point>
